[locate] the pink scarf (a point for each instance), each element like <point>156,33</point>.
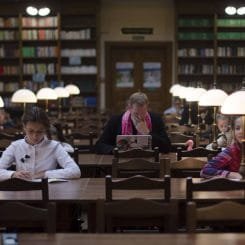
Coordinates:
<point>127,127</point>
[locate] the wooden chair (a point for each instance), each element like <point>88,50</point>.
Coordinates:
<point>84,142</point>
<point>137,183</point>
<point>137,213</point>
<point>183,168</point>
<point>17,214</point>
<point>136,153</point>
<point>225,212</point>
<point>196,152</point>
<point>137,166</point>
<point>178,140</point>
<point>214,184</point>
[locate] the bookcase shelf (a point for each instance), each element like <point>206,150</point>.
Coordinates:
<point>210,47</point>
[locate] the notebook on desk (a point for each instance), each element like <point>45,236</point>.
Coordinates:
<point>127,142</point>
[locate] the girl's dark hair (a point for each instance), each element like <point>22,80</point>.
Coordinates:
<point>36,114</point>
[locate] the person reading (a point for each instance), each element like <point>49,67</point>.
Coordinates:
<point>136,120</point>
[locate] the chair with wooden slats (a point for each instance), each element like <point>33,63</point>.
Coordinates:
<point>137,183</point>
<point>179,140</point>
<point>20,214</point>
<point>136,211</point>
<point>137,166</point>
<point>136,215</point>
<point>226,213</point>
<point>197,152</point>
<point>184,168</point>
<point>213,184</point>
<point>136,153</point>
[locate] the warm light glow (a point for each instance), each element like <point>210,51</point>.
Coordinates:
<point>213,97</point>
<point>1,102</point>
<point>72,89</point>
<point>177,90</point>
<point>230,10</point>
<point>44,11</point>
<point>46,94</point>
<point>195,95</point>
<point>241,11</point>
<point>24,96</point>
<point>31,10</point>
<point>61,92</point>
<point>234,103</point>
<point>187,94</point>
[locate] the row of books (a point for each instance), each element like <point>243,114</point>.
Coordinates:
<point>195,36</point>
<point>231,51</point>
<point>8,35</point>
<point>231,35</point>
<point>39,22</point>
<point>39,68</point>
<point>78,52</point>
<point>195,22</point>
<point>9,86</point>
<point>8,22</point>
<point>9,51</point>
<point>41,34</point>
<point>231,69</point>
<point>204,22</point>
<point>79,69</point>
<point>83,34</point>
<point>48,51</point>
<point>9,70</point>
<point>231,22</point>
<point>196,52</point>
<point>195,69</point>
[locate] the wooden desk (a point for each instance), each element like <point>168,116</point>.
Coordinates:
<point>86,192</point>
<point>132,239</point>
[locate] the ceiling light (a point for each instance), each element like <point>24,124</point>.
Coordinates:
<point>241,11</point>
<point>31,10</point>
<point>44,11</point>
<point>230,10</point>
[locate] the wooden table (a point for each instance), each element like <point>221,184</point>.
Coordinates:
<point>132,239</point>
<point>86,192</point>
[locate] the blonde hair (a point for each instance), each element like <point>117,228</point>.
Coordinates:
<point>138,98</point>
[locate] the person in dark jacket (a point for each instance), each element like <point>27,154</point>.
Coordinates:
<point>135,120</point>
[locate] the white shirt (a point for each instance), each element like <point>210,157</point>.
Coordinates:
<point>45,156</point>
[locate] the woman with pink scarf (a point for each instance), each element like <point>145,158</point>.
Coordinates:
<point>135,120</point>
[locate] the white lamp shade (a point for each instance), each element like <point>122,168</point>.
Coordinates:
<point>213,97</point>
<point>72,89</point>
<point>176,91</point>
<point>1,102</point>
<point>46,94</point>
<point>174,87</point>
<point>24,96</point>
<point>234,103</point>
<point>189,95</point>
<point>61,92</point>
<point>181,92</point>
<point>195,95</point>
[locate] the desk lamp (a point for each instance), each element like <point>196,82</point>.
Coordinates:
<point>215,98</point>
<point>234,105</point>
<point>46,94</point>
<point>73,90</point>
<point>61,93</point>
<point>24,96</point>
<point>195,96</point>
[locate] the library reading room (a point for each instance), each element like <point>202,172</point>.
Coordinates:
<point>122,122</point>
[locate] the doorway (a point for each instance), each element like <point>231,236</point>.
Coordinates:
<point>138,66</point>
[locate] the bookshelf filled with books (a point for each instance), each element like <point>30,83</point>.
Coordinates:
<point>49,51</point>
<point>210,47</point>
